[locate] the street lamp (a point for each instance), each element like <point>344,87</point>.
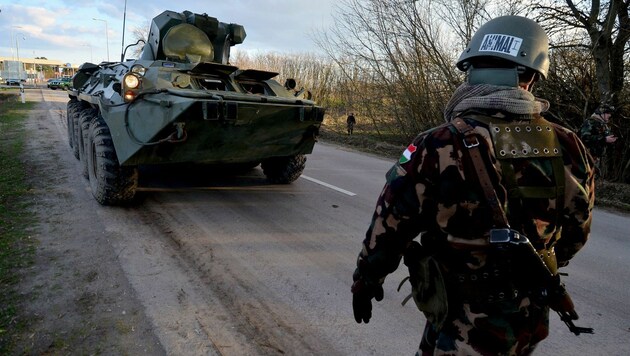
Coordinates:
<point>17,52</point>
<point>11,43</point>
<point>106,35</point>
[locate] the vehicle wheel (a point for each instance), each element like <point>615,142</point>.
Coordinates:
<point>76,129</point>
<point>72,107</point>
<point>85,118</point>
<point>111,184</point>
<point>284,170</point>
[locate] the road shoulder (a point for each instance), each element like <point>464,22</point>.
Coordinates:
<point>75,299</point>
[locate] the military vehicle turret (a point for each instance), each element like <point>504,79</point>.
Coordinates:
<point>182,102</point>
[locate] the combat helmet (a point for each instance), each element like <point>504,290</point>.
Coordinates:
<point>514,39</point>
<point>605,109</point>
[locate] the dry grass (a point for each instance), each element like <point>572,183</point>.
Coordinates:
<point>16,247</point>
<point>612,195</point>
<point>334,130</point>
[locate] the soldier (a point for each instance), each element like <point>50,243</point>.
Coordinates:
<point>477,298</point>
<point>595,132</point>
<point>350,122</point>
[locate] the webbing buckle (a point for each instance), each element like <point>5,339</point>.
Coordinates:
<point>504,236</point>
<point>471,144</point>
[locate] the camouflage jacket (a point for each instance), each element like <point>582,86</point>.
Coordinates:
<point>593,133</point>
<point>433,190</point>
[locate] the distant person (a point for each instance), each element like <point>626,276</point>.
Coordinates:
<point>351,121</point>
<point>595,132</point>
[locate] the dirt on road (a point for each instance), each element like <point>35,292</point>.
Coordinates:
<point>75,297</point>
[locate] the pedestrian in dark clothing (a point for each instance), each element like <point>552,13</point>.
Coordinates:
<point>350,122</point>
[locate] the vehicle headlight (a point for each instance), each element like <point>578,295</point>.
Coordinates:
<point>131,86</point>
<point>131,81</point>
<point>138,69</point>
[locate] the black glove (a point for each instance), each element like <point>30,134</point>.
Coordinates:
<point>362,295</point>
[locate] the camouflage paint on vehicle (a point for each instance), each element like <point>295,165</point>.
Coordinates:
<point>182,102</point>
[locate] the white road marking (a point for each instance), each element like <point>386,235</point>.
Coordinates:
<point>329,186</point>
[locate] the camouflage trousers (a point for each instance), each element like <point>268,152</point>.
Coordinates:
<point>482,331</point>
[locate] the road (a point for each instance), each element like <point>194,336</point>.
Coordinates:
<point>235,266</point>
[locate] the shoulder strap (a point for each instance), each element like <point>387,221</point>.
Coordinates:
<point>471,142</point>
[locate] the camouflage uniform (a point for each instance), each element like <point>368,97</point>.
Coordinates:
<point>433,191</point>
<point>593,133</point>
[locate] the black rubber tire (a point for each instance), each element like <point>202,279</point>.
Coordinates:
<point>72,107</point>
<point>111,184</point>
<point>76,130</point>
<point>85,118</point>
<point>284,170</point>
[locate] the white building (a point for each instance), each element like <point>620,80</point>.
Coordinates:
<point>32,69</point>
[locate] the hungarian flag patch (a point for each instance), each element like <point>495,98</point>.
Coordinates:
<point>406,156</point>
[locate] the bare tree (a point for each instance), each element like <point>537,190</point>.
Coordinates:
<point>397,57</point>
<point>465,16</point>
<point>606,30</point>
<point>603,28</point>
<point>397,67</point>
<point>140,33</point>
<point>571,86</point>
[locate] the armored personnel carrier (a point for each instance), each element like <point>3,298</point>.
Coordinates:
<point>182,102</point>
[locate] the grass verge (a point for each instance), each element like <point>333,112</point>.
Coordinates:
<point>612,195</point>
<point>16,249</point>
<point>361,140</point>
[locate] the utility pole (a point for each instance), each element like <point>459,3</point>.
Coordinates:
<point>106,35</point>
<point>17,52</point>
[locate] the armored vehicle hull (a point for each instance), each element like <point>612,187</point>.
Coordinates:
<point>182,103</point>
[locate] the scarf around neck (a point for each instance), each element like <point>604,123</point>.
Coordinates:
<point>486,96</point>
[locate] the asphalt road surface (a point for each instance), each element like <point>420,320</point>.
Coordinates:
<point>235,266</point>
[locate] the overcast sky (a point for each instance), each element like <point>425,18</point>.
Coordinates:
<point>65,30</point>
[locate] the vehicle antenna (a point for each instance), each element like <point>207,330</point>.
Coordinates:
<point>122,50</point>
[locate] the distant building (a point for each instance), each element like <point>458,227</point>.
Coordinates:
<point>32,70</point>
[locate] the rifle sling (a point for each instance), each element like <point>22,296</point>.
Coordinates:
<point>471,141</point>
